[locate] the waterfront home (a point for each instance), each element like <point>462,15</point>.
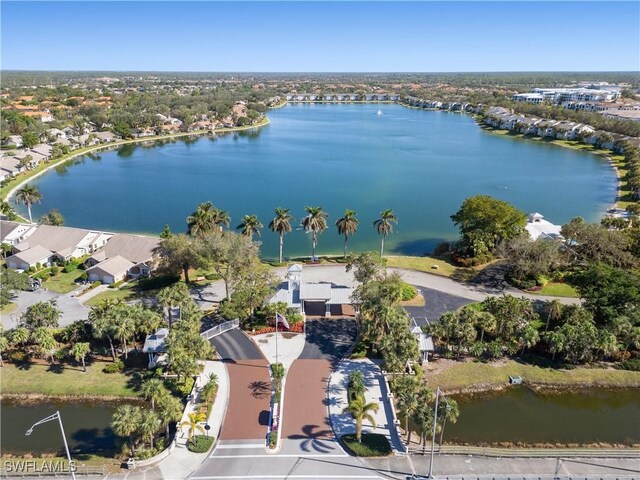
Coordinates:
<point>321,299</point>
<point>9,167</point>
<point>13,140</point>
<point>43,150</point>
<point>528,97</point>
<point>140,253</point>
<point>425,342</point>
<point>12,233</point>
<point>154,346</point>
<point>111,270</point>
<point>56,133</point>
<point>105,137</point>
<point>65,242</point>
<point>31,257</point>
<point>538,227</point>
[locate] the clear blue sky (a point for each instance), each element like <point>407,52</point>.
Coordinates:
<point>321,36</point>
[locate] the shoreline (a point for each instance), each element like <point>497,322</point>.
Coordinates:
<point>6,195</point>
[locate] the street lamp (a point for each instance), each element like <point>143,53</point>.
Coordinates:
<point>66,447</point>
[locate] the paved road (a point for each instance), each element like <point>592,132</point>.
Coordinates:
<point>247,415</point>
<point>436,303</point>
<point>72,310</point>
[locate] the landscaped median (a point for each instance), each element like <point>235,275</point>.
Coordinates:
<point>278,372</point>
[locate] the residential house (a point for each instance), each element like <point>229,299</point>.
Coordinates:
<point>13,140</point>
<point>112,270</point>
<point>64,242</point>
<point>30,258</point>
<point>538,227</point>
<point>425,342</point>
<point>105,137</point>
<point>12,233</point>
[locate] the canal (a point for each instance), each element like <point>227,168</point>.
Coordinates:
<point>520,415</point>
<point>86,424</point>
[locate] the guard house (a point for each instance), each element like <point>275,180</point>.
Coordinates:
<point>425,342</point>
<point>320,299</point>
<point>154,346</point>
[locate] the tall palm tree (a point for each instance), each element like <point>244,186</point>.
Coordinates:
<point>281,224</point>
<point>80,352</point>
<point>554,312</point>
<point>347,225</point>
<point>487,323</point>
<point>124,328</point>
<point>249,226</point>
<point>201,221</point>
<point>28,195</point>
<point>176,295</point>
<point>103,321</point>
<point>169,410</point>
<point>148,425</point>
<point>315,222</point>
<point>384,226</point>
<point>43,337</point>
<point>221,218</point>
<point>360,410</point>
<point>407,405</point>
<point>125,422</point>
<point>153,389</point>
<point>193,424</point>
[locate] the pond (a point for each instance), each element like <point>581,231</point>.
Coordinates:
<point>87,427</point>
<point>519,414</point>
<point>422,164</point>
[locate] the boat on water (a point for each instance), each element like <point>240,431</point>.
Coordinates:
<point>379,112</point>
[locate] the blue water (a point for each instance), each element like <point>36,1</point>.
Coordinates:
<point>423,164</point>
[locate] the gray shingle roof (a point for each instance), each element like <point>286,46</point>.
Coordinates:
<point>32,255</point>
<point>135,248</point>
<point>54,238</point>
<point>112,266</point>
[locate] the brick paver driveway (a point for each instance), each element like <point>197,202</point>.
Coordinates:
<point>247,414</point>
<point>306,416</point>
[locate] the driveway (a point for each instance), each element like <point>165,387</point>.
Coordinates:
<point>436,303</point>
<point>71,309</point>
<point>247,415</point>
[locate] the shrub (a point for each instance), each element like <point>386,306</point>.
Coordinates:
<point>84,276</point>
<point>31,269</point>
<point>273,438</point>
<point>630,364</point>
<point>115,367</point>
<point>277,369</point>
<point>70,268</point>
<point>200,444</point>
<point>212,276</point>
<point>55,270</point>
<point>360,350</point>
<point>373,445</point>
<point>117,284</point>
<point>408,292</point>
<point>38,266</point>
<point>179,388</point>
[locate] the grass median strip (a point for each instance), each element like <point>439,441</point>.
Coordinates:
<point>372,445</point>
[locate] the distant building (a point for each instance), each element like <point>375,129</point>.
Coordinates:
<point>538,227</point>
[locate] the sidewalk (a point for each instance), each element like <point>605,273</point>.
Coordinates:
<point>181,462</point>
<point>376,391</point>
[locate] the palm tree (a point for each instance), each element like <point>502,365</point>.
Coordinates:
<point>487,323</point>
<point>43,337</point>
<point>554,312</point>
<point>19,336</point>
<point>281,224</point>
<point>153,389</point>
<point>201,221</point>
<point>103,321</point>
<point>407,405</point>
<point>80,351</point>
<point>193,424</point>
<point>360,410</point>
<point>356,382</point>
<point>347,225</point>
<point>124,328</point>
<point>176,295</point>
<point>169,410</point>
<point>148,425</point>
<point>221,218</point>
<point>384,226</point>
<point>249,226</point>
<point>28,195</point>
<point>315,222</point>
<point>125,422</point>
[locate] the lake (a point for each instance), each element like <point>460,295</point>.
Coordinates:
<point>422,164</point>
<point>519,414</point>
<point>87,427</point>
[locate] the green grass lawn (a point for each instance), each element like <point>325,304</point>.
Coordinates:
<point>373,445</point>
<point>65,380</point>
<point>126,292</point>
<point>558,290</point>
<point>63,282</point>
<point>426,264</point>
<point>452,375</point>
<point>8,308</point>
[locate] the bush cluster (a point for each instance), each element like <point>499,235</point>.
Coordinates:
<point>200,444</point>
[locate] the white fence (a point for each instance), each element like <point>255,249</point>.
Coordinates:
<point>218,329</point>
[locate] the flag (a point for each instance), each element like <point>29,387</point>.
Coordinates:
<point>282,320</point>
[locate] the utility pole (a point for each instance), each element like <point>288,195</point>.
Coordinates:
<point>433,436</point>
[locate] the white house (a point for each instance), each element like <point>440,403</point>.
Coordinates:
<point>321,299</point>
<point>30,258</point>
<point>12,233</point>
<point>112,270</point>
<point>538,227</point>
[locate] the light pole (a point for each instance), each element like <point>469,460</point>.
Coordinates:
<point>433,436</point>
<point>66,447</point>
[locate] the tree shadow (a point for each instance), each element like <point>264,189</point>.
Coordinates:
<point>263,417</point>
<point>260,389</point>
<point>134,380</point>
<point>56,368</point>
<point>321,441</point>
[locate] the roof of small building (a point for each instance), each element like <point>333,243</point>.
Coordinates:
<point>33,255</point>
<point>340,296</point>
<point>6,227</point>
<point>112,266</point>
<point>315,291</point>
<point>135,248</point>
<point>155,343</point>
